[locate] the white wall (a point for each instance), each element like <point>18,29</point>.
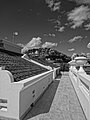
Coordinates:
<point>82,91</point>
<point>20,95</point>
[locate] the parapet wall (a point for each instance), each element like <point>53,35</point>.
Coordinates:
<point>9,46</point>
<point>16,98</point>
<point>81,83</point>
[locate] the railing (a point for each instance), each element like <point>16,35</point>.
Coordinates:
<point>81,83</point>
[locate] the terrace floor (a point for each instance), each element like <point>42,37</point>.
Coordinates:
<point>59,102</point>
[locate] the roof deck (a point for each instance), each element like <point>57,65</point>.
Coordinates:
<point>62,104</point>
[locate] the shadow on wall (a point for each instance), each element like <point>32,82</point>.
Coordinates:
<point>64,67</point>
<point>44,103</point>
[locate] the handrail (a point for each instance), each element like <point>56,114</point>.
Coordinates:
<point>81,83</point>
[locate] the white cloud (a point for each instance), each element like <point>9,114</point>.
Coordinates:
<point>85,36</point>
<point>34,43</point>
<point>87,27</point>
<point>60,42</point>
<point>45,34</point>
<point>66,24</point>
<point>57,22</point>
<point>51,20</point>
<point>70,50</point>
<point>50,3</point>
<point>82,1</point>
<point>78,16</point>
<point>61,29</point>
<point>88,45</point>
<point>75,39</point>
<point>53,35</point>
<point>58,26</point>
<point>53,5</point>
<point>25,49</point>
<point>50,34</point>
<point>49,45</point>
<point>77,24</point>
<point>56,6</point>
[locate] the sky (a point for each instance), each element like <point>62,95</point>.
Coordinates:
<point>61,24</point>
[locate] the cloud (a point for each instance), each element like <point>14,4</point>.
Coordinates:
<point>66,24</point>
<point>56,6</point>
<point>25,49</point>
<point>75,39</point>
<point>88,45</point>
<point>87,27</point>
<point>78,16</point>
<point>61,29</point>
<point>57,22</point>
<point>70,50</point>
<point>53,5</point>
<point>85,36</point>
<point>45,34</point>
<point>50,34</point>
<point>49,45</point>
<point>82,1</point>
<point>58,26</point>
<point>60,42</point>
<point>34,43</point>
<point>51,20</point>
<point>50,3</point>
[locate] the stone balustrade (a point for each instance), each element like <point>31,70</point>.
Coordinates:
<point>81,82</point>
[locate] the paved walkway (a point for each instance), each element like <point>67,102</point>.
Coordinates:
<point>59,102</point>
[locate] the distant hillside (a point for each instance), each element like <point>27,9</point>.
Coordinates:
<point>49,54</point>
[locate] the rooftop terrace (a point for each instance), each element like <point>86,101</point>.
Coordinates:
<point>62,104</point>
